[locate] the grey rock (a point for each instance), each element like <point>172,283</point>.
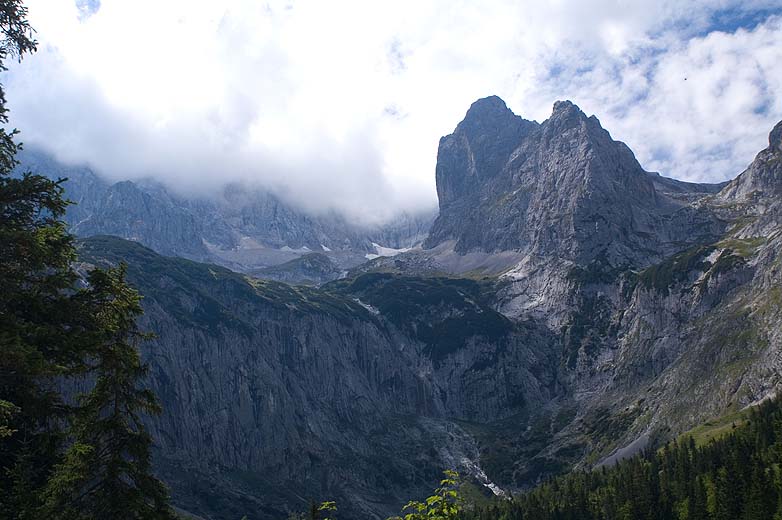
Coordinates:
<point>567,309</point>
<point>562,187</point>
<point>242,226</point>
<point>274,394</point>
<point>309,269</point>
<point>775,137</point>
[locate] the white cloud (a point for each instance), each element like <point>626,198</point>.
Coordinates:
<point>714,103</point>
<point>341,104</point>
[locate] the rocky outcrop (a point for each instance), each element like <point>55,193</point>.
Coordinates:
<point>310,269</point>
<point>560,188</point>
<point>762,181</point>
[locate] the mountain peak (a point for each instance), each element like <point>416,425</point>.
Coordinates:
<point>764,175</point>
<point>478,148</point>
<point>775,137</point>
<point>566,114</point>
<point>488,104</point>
<point>564,105</point>
<point>487,115</point>
<point>560,188</point>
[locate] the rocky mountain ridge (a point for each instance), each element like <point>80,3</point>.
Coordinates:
<point>562,187</point>
<point>567,309</point>
<point>242,227</point>
<point>664,292</point>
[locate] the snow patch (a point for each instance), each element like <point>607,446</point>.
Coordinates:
<point>248,243</point>
<point>389,251</point>
<point>385,251</point>
<point>371,309</point>
<point>300,250</point>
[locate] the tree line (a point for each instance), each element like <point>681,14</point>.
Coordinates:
<point>736,477</point>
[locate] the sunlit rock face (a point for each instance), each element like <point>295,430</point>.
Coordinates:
<point>562,187</point>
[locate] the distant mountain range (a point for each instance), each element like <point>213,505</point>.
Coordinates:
<point>567,309</point>
<point>242,227</point>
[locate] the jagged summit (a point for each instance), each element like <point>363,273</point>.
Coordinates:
<point>486,106</point>
<point>563,187</point>
<point>775,137</point>
<point>567,116</point>
<point>478,148</point>
<point>763,178</point>
<point>564,105</point>
<point>564,110</point>
<point>491,113</point>
<point>491,117</point>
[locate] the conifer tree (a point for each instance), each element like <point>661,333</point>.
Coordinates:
<point>697,508</point>
<point>37,330</point>
<point>50,332</point>
<point>106,472</point>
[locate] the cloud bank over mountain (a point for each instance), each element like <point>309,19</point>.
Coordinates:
<point>339,105</point>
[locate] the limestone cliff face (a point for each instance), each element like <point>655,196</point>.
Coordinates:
<point>663,296</point>
<point>562,187</point>
<point>274,394</point>
<point>568,309</point>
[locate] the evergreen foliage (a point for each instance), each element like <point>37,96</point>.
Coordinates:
<point>106,472</point>
<point>83,460</point>
<point>38,323</point>
<point>738,476</point>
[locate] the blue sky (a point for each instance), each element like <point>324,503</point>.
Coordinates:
<point>340,105</point>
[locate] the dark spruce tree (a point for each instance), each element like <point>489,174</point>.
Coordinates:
<point>36,327</point>
<point>50,332</point>
<point>106,471</point>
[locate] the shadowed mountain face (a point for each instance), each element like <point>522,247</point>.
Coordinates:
<point>569,309</point>
<point>309,269</point>
<point>360,391</point>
